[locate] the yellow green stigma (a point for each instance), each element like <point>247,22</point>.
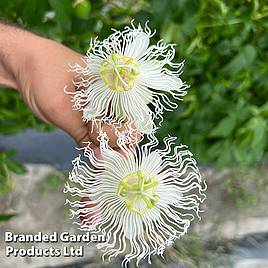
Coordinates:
<point>138,191</point>
<point>119,72</point>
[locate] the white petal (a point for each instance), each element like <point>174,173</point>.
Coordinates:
<point>132,225</point>
<point>145,93</point>
<point>152,214</point>
<point>97,97</point>
<point>116,166</point>
<point>153,77</point>
<point>138,46</point>
<point>169,194</point>
<point>94,64</point>
<point>152,164</point>
<point>132,105</point>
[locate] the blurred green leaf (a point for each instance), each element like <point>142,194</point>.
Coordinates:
<point>224,128</point>
<point>258,126</point>
<point>6,217</point>
<point>242,60</point>
<point>264,110</point>
<point>4,173</point>
<point>15,166</point>
<point>63,10</point>
<point>3,177</point>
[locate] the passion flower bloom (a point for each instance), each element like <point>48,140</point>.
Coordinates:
<point>123,74</point>
<point>140,200</point>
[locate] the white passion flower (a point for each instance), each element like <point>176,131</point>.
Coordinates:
<point>123,74</point>
<point>140,200</point>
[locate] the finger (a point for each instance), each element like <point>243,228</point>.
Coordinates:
<point>112,132</point>
<point>94,213</point>
<point>95,129</point>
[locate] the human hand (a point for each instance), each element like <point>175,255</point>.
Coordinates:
<point>39,69</point>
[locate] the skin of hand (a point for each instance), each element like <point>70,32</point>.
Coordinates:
<point>39,69</point>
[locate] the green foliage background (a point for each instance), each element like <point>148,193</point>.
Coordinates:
<point>223,119</point>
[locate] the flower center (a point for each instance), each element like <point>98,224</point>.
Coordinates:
<point>119,72</point>
<point>138,191</point>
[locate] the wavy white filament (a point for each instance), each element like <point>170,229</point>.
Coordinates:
<point>157,82</point>
<point>95,179</point>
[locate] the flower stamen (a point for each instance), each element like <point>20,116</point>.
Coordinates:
<point>138,191</point>
<point>119,72</point>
